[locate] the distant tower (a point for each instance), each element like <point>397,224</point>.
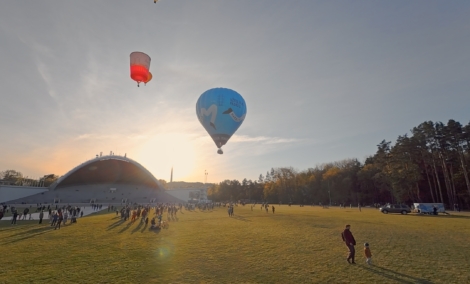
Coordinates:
<point>171,177</point>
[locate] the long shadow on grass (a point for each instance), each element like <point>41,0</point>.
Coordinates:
<point>440,216</point>
<point>393,275</point>
<point>143,229</point>
<point>126,227</point>
<point>32,234</point>
<point>32,231</point>
<point>115,224</point>
<point>155,230</point>
<point>10,229</point>
<point>137,228</point>
<point>240,218</point>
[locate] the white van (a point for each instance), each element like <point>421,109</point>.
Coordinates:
<point>428,208</point>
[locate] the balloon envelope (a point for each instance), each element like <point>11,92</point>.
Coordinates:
<point>139,73</point>
<point>140,65</point>
<point>149,78</point>
<point>221,111</point>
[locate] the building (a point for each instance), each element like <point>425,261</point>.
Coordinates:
<point>189,191</point>
<point>104,179</point>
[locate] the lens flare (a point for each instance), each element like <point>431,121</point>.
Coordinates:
<point>165,250</point>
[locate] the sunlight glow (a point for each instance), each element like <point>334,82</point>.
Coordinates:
<point>164,151</point>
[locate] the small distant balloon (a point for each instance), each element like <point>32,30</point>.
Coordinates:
<point>140,65</point>
<point>221,111</point>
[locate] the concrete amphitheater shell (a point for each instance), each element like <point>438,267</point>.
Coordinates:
<point>108,170</point>
<point>104,180</point>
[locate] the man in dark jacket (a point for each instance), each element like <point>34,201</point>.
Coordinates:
<point>350,242</point>
<point>25,212</point>
<point>15,215</point>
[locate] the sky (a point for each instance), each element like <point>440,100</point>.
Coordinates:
<point>323,81</point>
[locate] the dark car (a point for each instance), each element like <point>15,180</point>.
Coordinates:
<point>395,208</point>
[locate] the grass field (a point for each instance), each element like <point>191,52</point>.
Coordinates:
<point>294,245</point>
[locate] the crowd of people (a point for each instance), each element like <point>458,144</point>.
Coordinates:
<point>146,213</point>
<point>61,216</point>
<point>57,216</point>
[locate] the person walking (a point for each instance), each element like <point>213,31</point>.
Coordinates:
<point>25,212</point>
<point>60,217</point>
<point>350,242</point>
<point>41,215</point>
<point>54,217</point>
<point>13,219</point>
<point>367,253</point>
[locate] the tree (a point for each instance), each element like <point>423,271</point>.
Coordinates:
<point>12,177</point>
<point>47,180</point>
<point>330,176</point>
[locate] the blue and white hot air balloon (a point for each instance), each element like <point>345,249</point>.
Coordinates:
<point>221,111</point>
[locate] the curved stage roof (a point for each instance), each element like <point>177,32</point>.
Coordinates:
<point>108,169</point>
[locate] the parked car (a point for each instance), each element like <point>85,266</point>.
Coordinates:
<point>395,208</point>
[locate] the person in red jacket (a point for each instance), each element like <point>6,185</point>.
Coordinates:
<point>350,242</point>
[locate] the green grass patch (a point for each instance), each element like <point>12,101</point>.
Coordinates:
<point>294,245</point>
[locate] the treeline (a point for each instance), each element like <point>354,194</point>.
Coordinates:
<point>430,165</point>
<point>12,177</point>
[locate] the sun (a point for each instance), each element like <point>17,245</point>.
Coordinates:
<point>164,151</point>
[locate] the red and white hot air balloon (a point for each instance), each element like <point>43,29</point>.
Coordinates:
<point>140,65</point>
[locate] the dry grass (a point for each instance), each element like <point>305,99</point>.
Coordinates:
<point>295,245</point>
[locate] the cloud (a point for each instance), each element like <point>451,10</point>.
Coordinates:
<point>138,136</point>
<point>93,136</point>
<point>263,139</point>
<point>47,77</point>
